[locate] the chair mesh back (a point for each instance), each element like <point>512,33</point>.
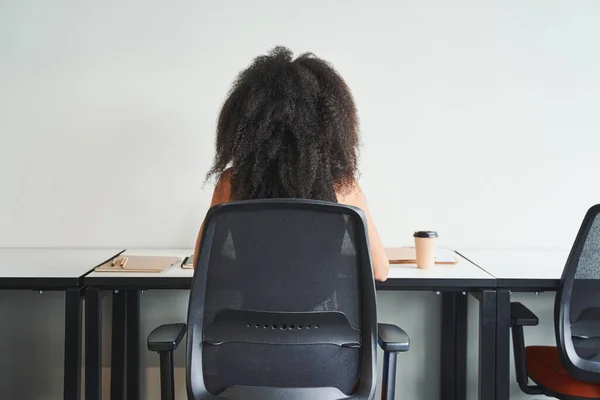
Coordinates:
<point>577,305</point>
<point>585,297</point>
<point>290,267</point>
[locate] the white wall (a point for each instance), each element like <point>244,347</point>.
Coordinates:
<point>479,118</point>
<point>476,116</point>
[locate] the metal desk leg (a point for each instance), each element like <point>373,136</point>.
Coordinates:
<point>487,345</point>
<point>133,345</point>
<point>117,354</point>
<point>72,366</point>
<point>93,345</point>
<point>453,346</point>
<point>502,344</point>
<point>460,372</point>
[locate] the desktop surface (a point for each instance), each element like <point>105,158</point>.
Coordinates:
<point>462,275</point>
<point>48,268</point>
<point>173,277</point>
<point>521,268</point>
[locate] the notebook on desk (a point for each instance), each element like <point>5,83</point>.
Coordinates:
<point>407,255</point>
<point>134,263</point>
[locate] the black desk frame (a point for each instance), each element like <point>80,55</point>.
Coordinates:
<point>73,322</point>
<point>126,334</point>
<point>503,291</point>
<point>125,347</point>
<point>453,361</point>
<point>125,353</point>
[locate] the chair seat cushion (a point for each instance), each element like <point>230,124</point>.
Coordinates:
<point>545,368</point>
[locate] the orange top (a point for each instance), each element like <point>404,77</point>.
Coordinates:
<point>354,197</point>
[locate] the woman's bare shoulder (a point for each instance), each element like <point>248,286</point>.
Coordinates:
<point>222,192</point>
<point>225,177</point>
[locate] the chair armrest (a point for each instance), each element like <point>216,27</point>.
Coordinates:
<point>392,338</point>
<point>166,337</point>
<point>521,315</point>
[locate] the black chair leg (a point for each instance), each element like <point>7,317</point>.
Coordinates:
<point>167,376</point>
<point>388,386</point>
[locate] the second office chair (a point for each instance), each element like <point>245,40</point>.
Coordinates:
<point>570,370</point>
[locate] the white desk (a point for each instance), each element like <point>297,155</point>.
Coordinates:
<point>521,269</point>
<point>461,276</point>
<point>174,277</point>
<point>451,280</point>
<point>38,268</point>
<point>454,281</point>
<point>56,269</point>
<point>515,270</point>
<point>125,287</point>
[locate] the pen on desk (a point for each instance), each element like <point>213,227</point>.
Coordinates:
<point>124,262</point>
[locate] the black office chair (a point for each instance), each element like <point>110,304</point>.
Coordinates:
<point>282,306</point>
<point>571,370</point>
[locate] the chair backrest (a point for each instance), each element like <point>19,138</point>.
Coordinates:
<point>282,303</point>
<point>577,304</point>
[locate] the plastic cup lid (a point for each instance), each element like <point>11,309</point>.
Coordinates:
<point>426,234</point>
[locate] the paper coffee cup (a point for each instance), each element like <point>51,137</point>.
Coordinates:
<point>425,242</point>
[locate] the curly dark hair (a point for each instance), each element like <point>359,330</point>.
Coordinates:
<point>288,129</point>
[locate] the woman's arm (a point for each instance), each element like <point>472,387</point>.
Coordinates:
<point>381,265</point>
<point>222,194</point>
